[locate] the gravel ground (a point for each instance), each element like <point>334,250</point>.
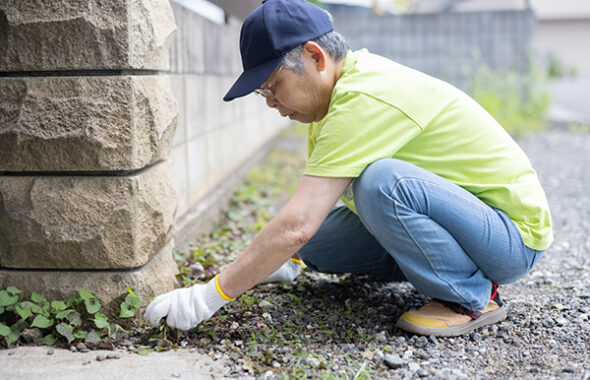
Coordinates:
<point>342,326</point>
<point>327,326</point>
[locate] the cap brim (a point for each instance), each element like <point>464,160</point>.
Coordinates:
<point>251,79</point>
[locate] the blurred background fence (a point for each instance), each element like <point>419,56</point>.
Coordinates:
<point>450,45</point>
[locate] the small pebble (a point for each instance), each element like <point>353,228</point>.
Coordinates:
<point>10,353</point>
<point>175,374</point>
<point>196,269</point>
<point>561,321</point>
<point>422,341</point>
<point>100,358</point>
<point>82,347</point>
<point>86,362</point>
<point>414,366</point>
<point>422,372</point>
<point>393,361</point>
<point>265,304</point>
<point>50,352</point>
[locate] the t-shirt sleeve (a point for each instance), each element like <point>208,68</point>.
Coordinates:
<point>358,130</point>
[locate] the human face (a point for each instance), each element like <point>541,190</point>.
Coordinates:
<point>299,96</point>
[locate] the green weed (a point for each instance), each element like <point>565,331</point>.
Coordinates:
<point>579,128</point>
<point>59,322</point>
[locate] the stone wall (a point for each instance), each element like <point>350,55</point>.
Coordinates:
<point>116,145</point>
<point>87,196</point>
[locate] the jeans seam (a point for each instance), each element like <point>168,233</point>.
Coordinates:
<point>416,243</point>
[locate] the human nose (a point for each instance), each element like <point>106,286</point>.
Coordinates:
<point>272,102</point>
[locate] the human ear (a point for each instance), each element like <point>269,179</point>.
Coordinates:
<point>316,53</point>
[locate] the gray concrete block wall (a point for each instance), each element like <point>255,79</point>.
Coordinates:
<point>213,138</point>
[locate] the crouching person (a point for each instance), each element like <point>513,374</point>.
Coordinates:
<point>435,191</point>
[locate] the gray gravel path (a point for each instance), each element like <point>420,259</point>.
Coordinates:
<point>546,334</point>
<point>342,327</point>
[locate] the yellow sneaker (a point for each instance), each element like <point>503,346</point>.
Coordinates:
<point>441,318</point>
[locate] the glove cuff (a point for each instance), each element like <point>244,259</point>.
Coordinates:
<point>220,291</point>
<point>212,298</point>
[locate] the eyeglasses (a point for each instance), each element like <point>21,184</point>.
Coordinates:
<point>269,90</point>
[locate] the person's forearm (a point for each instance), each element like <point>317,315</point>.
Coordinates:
<point>274,245</point>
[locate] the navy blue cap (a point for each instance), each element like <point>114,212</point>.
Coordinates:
<point>270,32</point>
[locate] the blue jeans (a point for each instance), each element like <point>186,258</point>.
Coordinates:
<point>413,225</point>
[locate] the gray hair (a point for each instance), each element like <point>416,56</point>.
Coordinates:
<point>332,42</point>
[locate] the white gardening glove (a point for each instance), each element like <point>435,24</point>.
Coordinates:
<point>287,272</point>
<point>187,307</point>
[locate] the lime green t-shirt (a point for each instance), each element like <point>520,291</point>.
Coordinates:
<point>381,109</point>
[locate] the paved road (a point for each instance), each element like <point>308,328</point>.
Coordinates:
<point>35,363</point>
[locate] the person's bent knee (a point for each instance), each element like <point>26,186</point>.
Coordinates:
<point>511,275</point>
<point>381,175</point>
<point>374,176</point>
<point>373,186</point>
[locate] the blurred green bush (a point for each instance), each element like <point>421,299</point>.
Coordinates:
<point>520,103</point>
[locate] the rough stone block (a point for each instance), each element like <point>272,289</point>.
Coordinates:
<point>85,34</point>
<point>86,222</point>
<point>85,123</point>
<point>152,279</point>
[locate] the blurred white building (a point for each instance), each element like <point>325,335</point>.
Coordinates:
<point>563,30</point>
